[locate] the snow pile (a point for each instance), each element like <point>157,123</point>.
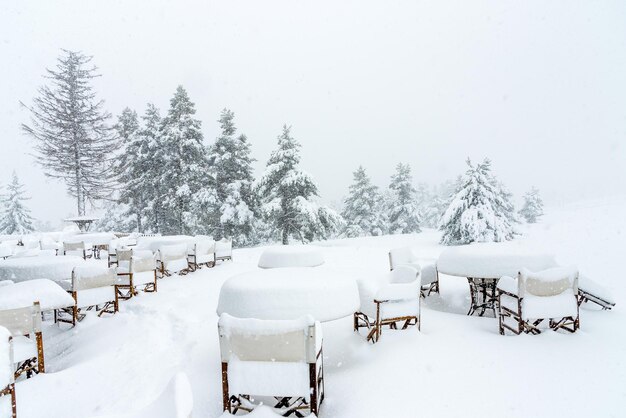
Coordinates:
<point>43,267</point>
<point>291,256</point>
<point>262,411</point>
<point>49,294</point>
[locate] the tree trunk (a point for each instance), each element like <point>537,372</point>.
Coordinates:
<point>285,236</point>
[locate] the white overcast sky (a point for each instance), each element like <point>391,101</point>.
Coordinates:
<point>537,86</point>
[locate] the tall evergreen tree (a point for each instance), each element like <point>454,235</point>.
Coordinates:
<point>533,206</point>
<point>480,211</point>
<point>287,196</point>
<point>362,207</point>
<point>231,167</point>
<point>185,167</point>
<point>16,218</point>
<point>404,216</point>
<point>75,142</point>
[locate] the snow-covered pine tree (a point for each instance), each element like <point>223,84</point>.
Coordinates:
<point>16,218</point>
<point>287,193</point>
<point>115,218</point>
<point>479,210</point>
<point>404,216</point>
<point>184,171</point>
<point>129,167</point>
<point>361,207</point>
<point>533,206</point>
<point>75,142</point>
<point>231,167</point>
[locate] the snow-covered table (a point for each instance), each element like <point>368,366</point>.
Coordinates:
<point>289,293</point>
<point>55,268</point>
<point>97,240</point>
<point>154,243</point>
<point>483,265</point>
<point>49,294</point>
<point>291,256</point>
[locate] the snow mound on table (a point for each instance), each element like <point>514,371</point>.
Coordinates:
<point>251,326</point>
<point>262,411</point>
<point>291,256</point>
<point>48,293</point>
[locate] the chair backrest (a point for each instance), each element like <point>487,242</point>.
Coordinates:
<point>74,246</point>
<point>124,254</point>
<point>6,358</point>
<point>403,274</point>
<point>173,252</point>
<point>21,321</point>
<point>398,256</point>
<point>140,264</point>
<point>267,340</point>
<point>204,247</point>
<point>550,282</point>
<point>90,277</point>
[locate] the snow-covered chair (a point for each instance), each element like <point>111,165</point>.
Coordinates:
<point>24,324</point>
<point>92,287</point>
<point>172,259</point>
<point>276,362</point>
<point>135,269</point>
<point>428,270</point>
<point>224,249</point>
<point>7,377</point>
<point>388,300</point>
<point>6,251</point>
<point>79,249</point>
<point>48,244</point>
<point>201,252</point>
<point>549,295</point>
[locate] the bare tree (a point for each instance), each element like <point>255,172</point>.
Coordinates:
<point>75,142</point>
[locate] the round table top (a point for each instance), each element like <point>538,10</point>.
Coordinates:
<point>289,293</point>
<point>291,256</point>
<point>491,260</point>
<point>52,267</point>
<point>154,243</point>
<point>93,238</point>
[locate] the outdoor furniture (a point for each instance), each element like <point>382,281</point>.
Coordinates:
<point>155,242</point>
<point>6,251</point>
<point>428,270</point>
<point>24,324</point>
<point>41,267</point>
<point>135,268</point>
<point>202,252</point>
<point>291,256</point>
<point>48,244</point>
<point>92,287</point>
<point>550,295</point>
<point>224,250</point>
<point>289,293</point>
<point>393,299</point>
<point>276,362</point>
<point>98,241</point>
<point>50,295</point>
<point>483,264</point>
<point>83,222</point>
<point>172,259</point>
<point>79,249</point>
<point>7,377</point>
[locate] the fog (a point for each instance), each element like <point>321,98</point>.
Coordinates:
<point>539,87</point>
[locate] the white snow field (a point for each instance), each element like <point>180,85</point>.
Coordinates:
<point>457,366</point>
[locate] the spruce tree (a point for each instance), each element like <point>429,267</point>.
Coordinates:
<point>533,206</point>
<point>74,141</point>
<point>404,216</point>
<point>287,195</point>
<point>361,207</point>
<point>231,167</point>
<point>16,218</point>
<point>480,210</point>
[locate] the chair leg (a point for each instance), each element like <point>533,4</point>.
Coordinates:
<point>225,394</point>
<point>41,366</point>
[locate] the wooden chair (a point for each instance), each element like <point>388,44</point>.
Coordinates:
<point>92,289</point>
<point>172,259</point>
<point>388,301</point>
<point>7,377</point>
<point>279,363</point>
<point>78,249</point>
<point>536,299</point>
<point>135,269</point>
<point>224,250</point>
<point>24,324</point>
<point>202,252</point>
<point>428,270</point>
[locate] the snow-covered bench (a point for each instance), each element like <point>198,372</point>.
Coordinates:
<point>224,250</point>
<point>549,295</point>
<point>7,378</point>
<point>135,268</point>
<point>92,287</point>
<point>201,252</point>
<point>277,361</point>
<point>77,249</point>
<point>388,300</point>
<point>172,259</point>
<point>24,324</point>
<point>429,277</point>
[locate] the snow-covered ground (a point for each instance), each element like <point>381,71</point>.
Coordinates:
<point>458,366</point>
